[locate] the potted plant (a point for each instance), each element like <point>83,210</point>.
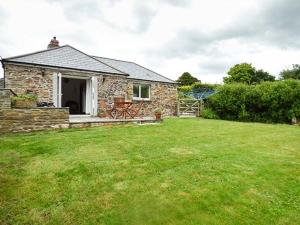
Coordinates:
<point>102,113</point>
<point>24,101</point>
<point>157,113</point>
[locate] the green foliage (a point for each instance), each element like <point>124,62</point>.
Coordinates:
<point>199,85</point>
<point>293,73</point>
<point>261,76</point>
<point>186,79</point>
<point>246,73</point>
<point>208,113</point>
<point>186,88</point>
<point>158,110</point>
<point>30,97</point>
<point>267,102</point>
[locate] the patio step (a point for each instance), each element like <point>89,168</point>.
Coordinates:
<point>96,121</point>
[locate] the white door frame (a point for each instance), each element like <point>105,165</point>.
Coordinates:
<point>57,90</point>
<point>91,96</point>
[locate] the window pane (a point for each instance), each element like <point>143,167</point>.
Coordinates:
<point>136,91</point>
<point>145,91</point>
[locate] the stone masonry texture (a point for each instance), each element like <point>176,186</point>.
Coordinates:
<point>5,101</point>
<point>21,78</point>
<point>25,120</point>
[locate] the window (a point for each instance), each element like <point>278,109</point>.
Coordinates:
<point>141,92</point>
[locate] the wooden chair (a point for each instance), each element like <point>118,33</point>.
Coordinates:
<point>108,109</point>
<point>136,108</point>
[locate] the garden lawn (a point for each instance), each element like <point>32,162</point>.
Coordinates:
<point>184,171</point>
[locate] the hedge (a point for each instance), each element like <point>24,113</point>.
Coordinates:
<point>271,102</point>
<point>197,86</point>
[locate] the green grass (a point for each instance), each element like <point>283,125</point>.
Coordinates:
<point>184,171</point>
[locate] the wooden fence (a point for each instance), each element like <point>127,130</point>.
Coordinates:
<point>190,107</point>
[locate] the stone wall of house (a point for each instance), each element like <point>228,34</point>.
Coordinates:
<point>5,98</point>
<point>21,78</point>
<point>1,82</point>
<point>14,120</point>
<point>162,95</point>
<point>110,87</point>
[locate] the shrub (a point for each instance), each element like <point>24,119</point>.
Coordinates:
<point>199,85</point>
<point>29,97</point>
<point>266,102</point>
<point>209,114</point>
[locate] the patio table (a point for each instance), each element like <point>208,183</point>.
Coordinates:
<point>121,109</point>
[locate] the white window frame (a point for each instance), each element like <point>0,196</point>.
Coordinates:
<point>140,92</point>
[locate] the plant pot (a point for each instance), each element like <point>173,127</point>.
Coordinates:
<point>25,103</point>
<point>158,116</point>
<point>102,115</point>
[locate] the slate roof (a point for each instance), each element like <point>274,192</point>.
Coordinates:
<point>70,58</point>
<point>134,70</point>
<point>65,57</point>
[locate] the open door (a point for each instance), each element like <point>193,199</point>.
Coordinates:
<point>57,90</point>
<point>92,96</point>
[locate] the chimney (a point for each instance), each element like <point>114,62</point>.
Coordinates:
<point>53,43</point>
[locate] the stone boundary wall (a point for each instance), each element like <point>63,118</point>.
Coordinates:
<point>5,95</point>
<point>13,120</point>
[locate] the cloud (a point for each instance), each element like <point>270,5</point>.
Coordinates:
<point>182,3</point>
<point>143,16</point>
<point>77,10</point>
<point>170,36</point>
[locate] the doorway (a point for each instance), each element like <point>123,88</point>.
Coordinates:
<point>80,94</point>
<point>74,95</point>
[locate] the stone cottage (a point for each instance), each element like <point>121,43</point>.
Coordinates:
<point>68,77</point>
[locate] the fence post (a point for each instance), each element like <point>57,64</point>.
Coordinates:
<point>201,106</point>
<point>198,109</point>
<point>178,107</point>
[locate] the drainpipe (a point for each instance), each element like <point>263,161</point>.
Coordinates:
<point>3,71</point>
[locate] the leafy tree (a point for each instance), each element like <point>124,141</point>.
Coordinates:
<point>246,73</point>
<point>240,73</point>
<point>186,79</point>
<point>261,75</point>
<point>293,73</point>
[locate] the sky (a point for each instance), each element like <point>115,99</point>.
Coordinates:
<point>205,38</point>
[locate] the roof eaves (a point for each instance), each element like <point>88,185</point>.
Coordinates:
<point>167,82</point>
<point>32,53</point>
<point>60,67</point>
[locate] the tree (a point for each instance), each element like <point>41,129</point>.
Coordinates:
<point>261,75</point>
<point>246,73</point>
<point>186,79</point>
<point>240,73</point>
<point>293,73</point>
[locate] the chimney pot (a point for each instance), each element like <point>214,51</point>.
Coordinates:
<point>53,43</point>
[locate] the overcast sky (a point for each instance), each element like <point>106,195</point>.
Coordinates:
<point>204,38</point>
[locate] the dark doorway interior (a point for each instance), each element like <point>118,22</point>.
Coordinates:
<point>74,94</point>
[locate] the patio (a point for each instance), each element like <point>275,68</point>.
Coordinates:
<point>89,121</point>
